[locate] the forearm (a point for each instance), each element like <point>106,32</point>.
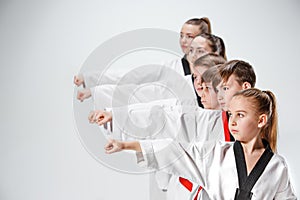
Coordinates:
<point>131,145</point>
<point>114,146</point>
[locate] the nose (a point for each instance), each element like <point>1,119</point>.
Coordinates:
<point>183,39</point>
<point>203,92</point>
<point>220,96</point>
<point>194,55</point>
<point>232,121</point>
<point>198,81</point>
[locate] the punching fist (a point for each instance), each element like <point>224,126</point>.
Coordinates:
<point>78,80</point>
<point>113,146</point>
<point>100,117</point>
<point>83,94</point>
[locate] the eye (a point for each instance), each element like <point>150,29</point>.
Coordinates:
<point>209,88</point>
<point>229,114</point>
<point>196,77</point>
<point>241,115</point>
<point>201,51</point>
<point>190,37</point>
<point>225,88</point>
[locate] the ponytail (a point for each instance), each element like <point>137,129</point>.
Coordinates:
<point>203,23</point>
<point>206,20</point>
<point>270,132</point>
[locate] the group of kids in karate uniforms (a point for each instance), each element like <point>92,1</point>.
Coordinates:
<point>217,143</point>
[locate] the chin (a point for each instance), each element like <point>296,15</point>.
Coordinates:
<point>207,106</point>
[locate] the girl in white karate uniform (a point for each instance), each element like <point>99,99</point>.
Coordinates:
<point>190,29</point>
<point>249,168</point>
<point>201,43</point>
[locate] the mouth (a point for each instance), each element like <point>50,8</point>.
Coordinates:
<point>222,104</point>
<point>233,131</point>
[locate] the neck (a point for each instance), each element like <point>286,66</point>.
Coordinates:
<point>252,146</point>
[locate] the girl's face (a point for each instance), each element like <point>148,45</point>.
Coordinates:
<point>198,48</point>
<point>187,34</point>
<point>197,74</point>
<point>243,119</point>
<point>209,97</point>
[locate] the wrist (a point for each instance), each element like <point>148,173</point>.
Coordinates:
<point>132,145</point>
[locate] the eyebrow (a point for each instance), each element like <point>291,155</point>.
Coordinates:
<point>187,33</point>
<point>200,48</point>
<point>237,111</point>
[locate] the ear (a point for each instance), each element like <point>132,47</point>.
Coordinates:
<point>246,85</point>
<point>262,120</point>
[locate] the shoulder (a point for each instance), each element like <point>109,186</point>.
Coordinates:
<point>173,63</point>
<point>224,145</point>
<point>279,161</point>
<point>208,114</point>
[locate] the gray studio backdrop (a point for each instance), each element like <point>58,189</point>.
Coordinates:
<point>45,43</point>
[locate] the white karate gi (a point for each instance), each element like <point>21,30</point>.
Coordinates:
<point>111,95</point>
<point>156,85</point>
<point>212,165</point>
<point>169,118</point>
<point>174,121</point>
<point>176,65</point>
<point>94,78</point>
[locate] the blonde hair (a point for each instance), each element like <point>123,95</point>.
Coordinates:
<point>264,102</point>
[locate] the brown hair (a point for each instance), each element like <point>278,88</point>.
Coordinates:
<point>243,71</point>
<point>215,43</point>
<point>264,102</point>
<point>209,60</point>
<point>203,23</point>
<point>217,79</point>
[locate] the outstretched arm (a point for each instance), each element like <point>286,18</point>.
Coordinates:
<point>115,146</point>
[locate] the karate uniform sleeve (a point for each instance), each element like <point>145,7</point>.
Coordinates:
<point>103,95</point>
<point>168,119</point>
<point>285,190</point>
<point>94,78</point>
<point>190,161</point>
<point>111,95</point>
<point>175,65</point>
<point>146,120</point>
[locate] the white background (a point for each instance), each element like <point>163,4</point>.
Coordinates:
<point>44,43</point>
